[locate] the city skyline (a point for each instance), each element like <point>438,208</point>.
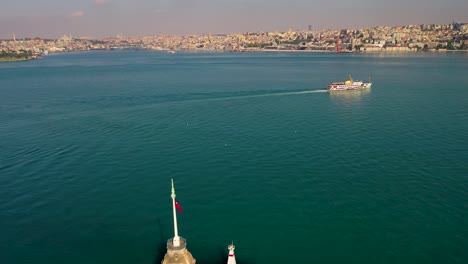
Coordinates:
<point>106,18</point>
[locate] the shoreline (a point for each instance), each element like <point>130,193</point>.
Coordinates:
<point>13,59</point>
<point>10,59</point>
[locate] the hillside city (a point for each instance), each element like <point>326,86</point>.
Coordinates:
<point>409,38</point>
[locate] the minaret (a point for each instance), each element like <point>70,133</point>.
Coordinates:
<point>177,252</point>
<point>232,257</point>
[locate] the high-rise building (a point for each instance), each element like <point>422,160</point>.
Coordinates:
<point>310,27</point>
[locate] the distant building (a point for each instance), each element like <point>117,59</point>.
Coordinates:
<point>66,38</point>
<point>464,28</point>
<point>310,27</point>
<point>427,27</point>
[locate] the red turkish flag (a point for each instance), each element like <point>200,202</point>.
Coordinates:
<point>177,205</point>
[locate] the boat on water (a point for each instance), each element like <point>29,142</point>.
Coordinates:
<point>349,84</point>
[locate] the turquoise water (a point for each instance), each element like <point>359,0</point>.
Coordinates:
<point>260,154</point>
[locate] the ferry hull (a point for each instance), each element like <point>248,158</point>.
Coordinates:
<point>344,87</point>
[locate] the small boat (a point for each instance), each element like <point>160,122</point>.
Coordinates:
<point>171,52</point>
<point>350,84</point>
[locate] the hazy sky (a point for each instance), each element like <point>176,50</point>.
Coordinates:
<point>100,18</point>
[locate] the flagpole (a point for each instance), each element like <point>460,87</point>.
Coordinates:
<point>176,240</point>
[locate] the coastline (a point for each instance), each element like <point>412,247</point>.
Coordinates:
<point>11,59</point>
<point>14,59</point>
<point>407,39</point>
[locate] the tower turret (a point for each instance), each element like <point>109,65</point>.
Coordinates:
<point>177,252</point>
<point>232,257</point>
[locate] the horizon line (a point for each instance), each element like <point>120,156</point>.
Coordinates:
<point>231,33</point>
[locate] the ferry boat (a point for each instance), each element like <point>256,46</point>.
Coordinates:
<point>350,84</point>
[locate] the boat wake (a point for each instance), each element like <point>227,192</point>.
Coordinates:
<point>125,104</point>
<point>267,94</point>
<point>306,92</point>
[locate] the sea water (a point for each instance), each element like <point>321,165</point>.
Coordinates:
<point>259,152</point>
